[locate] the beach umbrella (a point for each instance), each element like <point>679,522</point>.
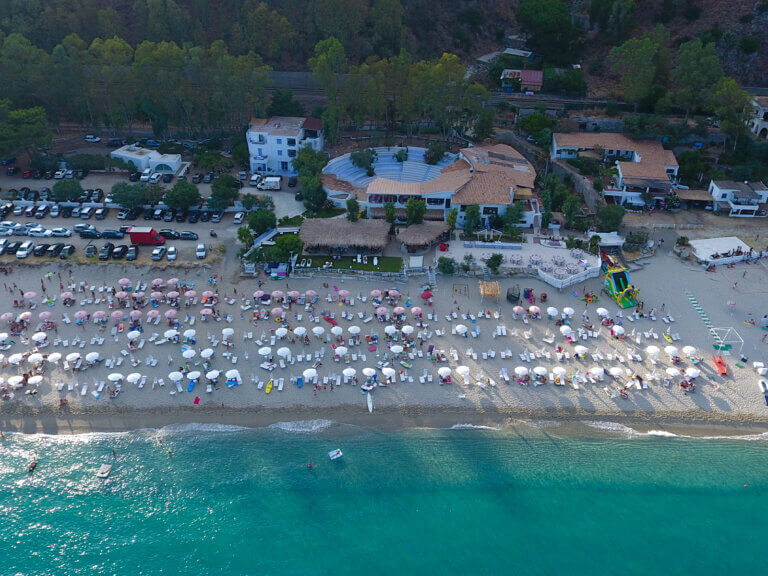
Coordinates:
<point>284,352</point>
<point>213,374</point>
<point>342,293</point>
<point>692,372</point>
<point>35,380</point>
<point>206,353</point>
<point>534,309</point>
<point>277,311</point>
<point>462,371</point>
<point>559,371</point>
<point>133,334</point>
<point>65,295</point>
<point>175,376</point>
<point>257,295</point>
<point>390,330</point>
<point>399,310</point>
<point>394,293</point>
<point>396,349</point>
<point>25,316</point>
<point>581,350</point>
<point>206,312</point>
<point>265,351</point>
<point>294,294</point>
<point>318,330</point>
<point>597,371</point>
<point>277,294</point>
<point>227,333</point>
<point>115,377</point>
<point>354,330</point>
<point>565,330</point>
<point>170,333</point>
<point>80,314</point>
<point>568,311</point>
<point>121,295</point>
<point>156,295</point>
<point>133,378</point>
<point>190,293</point>
<point>173,282</point>
<point>341,351</point>
<point>616,371</point>
<point>416,311</point>
<point>232,374</point>
<point>375,293</point>
<point>407,330</point>
<point>673,372</point>
<point>7,317</point>
<point>349,372</point>
<point>388,372</point>
<point>381,311</point>
<point>189,353</point>
<point>15,380</point>
<point>283,332</point>
<point>117,315</point>
<point>337,330</point>
<point>190,333</point>
<point>92,357</point>
<point>39,336</point>
<point>208,294</point>
<point>99,314</point>
<point>518,310</point>
<point>300,331</point>
<point>671,350</point>
<point>602,312</point>
<point>368,372</point>
<point>35,358</point>
<point>45,315</point>
<point>173,294</point>
<point>552,311</point>
<point>156,282</point>
<point>31,295</point>
<point>4,336</point>
<point>309,373</point>
<point>689,350</point>
<point>426,295</point>
<point>15,358</point>
<point>461,329</point>
<point>444,372</point>
<point>310,293</point>
<point>618,330</point>
<point>540,371</point>
<point>170,314</point>
<point>521,371</point>
<point>54,358</point>
<point>124,282</point>
<point>652,350</point>
<point>194,375</point>
<point>73,357</point>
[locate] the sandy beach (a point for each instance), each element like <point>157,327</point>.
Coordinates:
<point>727,297</point>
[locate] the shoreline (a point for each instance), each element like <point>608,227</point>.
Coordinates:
<point>567,421</point>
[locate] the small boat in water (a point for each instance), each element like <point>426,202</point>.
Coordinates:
<point>32,466</point>
<point>104,470</point>
<point>335,454</point>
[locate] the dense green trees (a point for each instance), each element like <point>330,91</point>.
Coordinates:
<point>353,209</point>
<point>182,196</point>
<point>641,63</point>
<point>22,129</point>
<point>553,35</point>
<point>415,209</point>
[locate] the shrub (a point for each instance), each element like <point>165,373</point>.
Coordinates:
<point>435,152</point>
<point>494,262</point>
<point>683,241</point>
<point>401,155</point>
<point>364,159</point>
<point>446,265</point>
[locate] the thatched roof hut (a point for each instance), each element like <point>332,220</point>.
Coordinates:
<point>341,234</point>
<point>424,234</point>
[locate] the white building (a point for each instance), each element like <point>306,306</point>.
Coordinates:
<point>758,123</point>
<point>143,158</point>
<point>643,168</point>
<point>274,142</point>
<point>739,199</point>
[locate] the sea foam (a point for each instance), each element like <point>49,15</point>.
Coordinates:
<point>303,426</point>
<point>472,427</point>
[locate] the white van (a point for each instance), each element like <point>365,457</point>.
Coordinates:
<point>25,249</point>
<point>255,179</point>
<point>145,175</point>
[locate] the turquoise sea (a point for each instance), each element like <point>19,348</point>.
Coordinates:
<point>460,501</point>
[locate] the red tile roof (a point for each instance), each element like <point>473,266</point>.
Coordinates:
<point>313,124</point>
<point>532,77</point>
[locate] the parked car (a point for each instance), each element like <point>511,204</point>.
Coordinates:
<point>239,217</point>
<point>90,234</point>
<point>106,251</point>
<point>179,215</point>
<point>39,232</point>
<point>41,211</point>
<point>54,250</point>
<point>55,211</point>
<point>158,253</point>
<point>114,143</point>
<point>66,211</point>
<point>112,234</point>
<point>207,178</point>
<point>167,177</point>
<point>92,138</point>
<point>83,226</point>
<point>119,252</point>
<point>25,249</point>
<point>101,213</point>
<point>292,181</point>
<point>61,232</point>
<point>40,249</point>
<point>205,216</point>
<point>149,214</point>
<point>87,212</point>
<point>155,178</point>
<point>187,235</point>
<point>67,251</point>
<point>90,251</point>
<point>197,178</point>
<point>133,253</point>
<point>172,253</point>
<point>200,251</point>
<point>29,212</point>
<point>168,216</point>
<point>69,174</point>
<point>158,214</point>
<point>216,217</point>
<point>134,177</point>
<point>76,212</point>
<point>169,234</point>
<point>194,217</point>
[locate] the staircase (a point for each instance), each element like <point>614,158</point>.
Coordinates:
<point>486,273</point>
<point>432,277</point>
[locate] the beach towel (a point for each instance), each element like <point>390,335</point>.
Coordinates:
<point>197,400</point>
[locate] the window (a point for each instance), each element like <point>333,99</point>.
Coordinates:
<point>279,140</point>
<point>283,165</point>
<point>279,152</point>
<point>291,141</point>
<point>291,153</point>
<point>723,196</point>
<point>490,211</point>
<point>435,201</point>
<point>261,151</point>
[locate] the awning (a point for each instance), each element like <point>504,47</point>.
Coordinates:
<point>695,195</point>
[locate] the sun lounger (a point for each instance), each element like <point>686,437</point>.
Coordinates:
<point>84,390</point>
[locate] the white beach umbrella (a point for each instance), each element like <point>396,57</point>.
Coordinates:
<point>407,329</point>
<point>368,371</point>
<point>281,332</point>
<point>265,351</point>
<point>388,372</point>
<point>391,330</point>
<point>4,335</point>
<point>175,376</point>
<point>462,371</point>
<point>232,374</point>
<point>189,353</point>
<point>652,350</point>
<point>552,311</point>
<point>133,334</point>
<point>73,357</point>
<point>559,371</point>
<point>35,380</point>
<point>616,371</point>
<point>300,331</point>
<point>190,333</point>
<point>133,378</point>
<point>115,377</point>
<point>318,330</point>
<point>310,373</point>
<point>227,332</point>
<point>194,375</point>
<point>15,358</point>
<point>602,312</point>
<point>92,357</point>
<point>521,371</point>
<point>354,330</point>
<point>568,311</point>
<point>618,329</point>
<point>581,349</point>
<point>673,372</point>
<point>689,350</point>
<point>39,336</point>
<point>213,374</point>
<point>349,372</point>
<point>671,350</point>
<point>341,351</point>
<point>540,371</point>
<point>35,358</point>
<point>692,372</point>
<point>597,371</point>
<point>461,329</point>
<point>565,330</point>
<point>170,333</point>
<point>284,352</point>
<point>337,330</point>
<point>206,353</point>
<point>54,358</point>
<point>444,372</point>
<point>396,349</point>
<point>15,380</point>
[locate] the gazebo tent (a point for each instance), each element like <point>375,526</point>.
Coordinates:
<point>422,235</point>
<point>341,235</point>
<point>489,290</point>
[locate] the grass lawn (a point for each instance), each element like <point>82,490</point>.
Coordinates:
<point>327,213</point>
<point>386,263</point>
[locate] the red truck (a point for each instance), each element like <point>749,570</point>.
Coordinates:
<point>145,235</point>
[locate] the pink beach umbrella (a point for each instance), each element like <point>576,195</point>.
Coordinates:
<point>277,294</point>
<point>135,314</point>
<point>7,317</point>
<point>394,293</point>
<point>173,294</point>
<point>518,310</point>
<point>99,314</point>
<point>209,294</point>
<point>31,295</point>
<point>258,294</point>
<point>381,311</point>
<point>375,293</point>
<point>156,295</point>
<point>293,294</point>
<point>153,314</point>
<point>170,314</point>
<point>344,293</point>
<point>80,314</point>
<point>277,311</point>
<point>137,295</point>
<point>311,293</point>
<point>65,295</point>
<point>121,295</point>
<point>399,310</point>
<point>190,294</point>
<point>173,282</point>
<point>534,310</point>
<point>124,282</point>
<point>206,312</point>
<point>416,311</point>
<point>116,315</point>
<point>156,282</point>
<point>44,315</point>
<point>25,316</point>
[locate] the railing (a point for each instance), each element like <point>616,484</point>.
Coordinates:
<point>498,245</point>
<point>570,280</point>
